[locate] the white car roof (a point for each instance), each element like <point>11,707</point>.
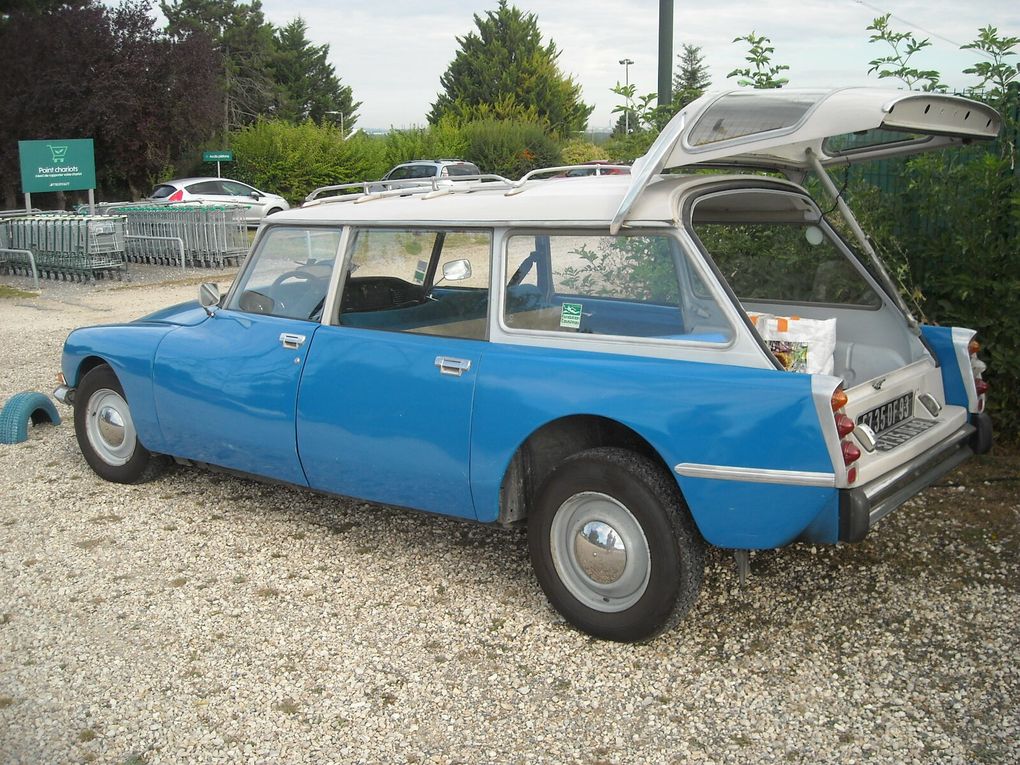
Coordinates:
<point>591,200</point>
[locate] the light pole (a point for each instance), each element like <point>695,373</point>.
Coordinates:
<point>626,62</point>
<point>341,121</point>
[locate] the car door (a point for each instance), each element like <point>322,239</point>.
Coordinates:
<point>226,389</point>
<point>384,411</point>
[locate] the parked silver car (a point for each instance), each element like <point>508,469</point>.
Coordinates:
<point>222,191</point>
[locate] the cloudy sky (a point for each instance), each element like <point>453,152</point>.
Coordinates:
<point>392,52</point>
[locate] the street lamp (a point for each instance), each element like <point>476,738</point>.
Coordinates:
<point>341,121</point>
<point>626,62</point>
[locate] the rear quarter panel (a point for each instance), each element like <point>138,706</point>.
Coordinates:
<point>689,412</point>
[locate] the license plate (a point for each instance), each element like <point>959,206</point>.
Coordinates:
<point>890,414</point>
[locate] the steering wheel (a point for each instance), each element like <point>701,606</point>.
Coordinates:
<point>295,274</point>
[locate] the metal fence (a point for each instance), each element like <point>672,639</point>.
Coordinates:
<point>73,247</point>
<point>212,236</point>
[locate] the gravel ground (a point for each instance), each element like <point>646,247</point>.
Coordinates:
<point>209,619</point>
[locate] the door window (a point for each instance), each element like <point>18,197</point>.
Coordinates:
<point>426,281</point>
<point>289,273</point>
<point>632,286</point>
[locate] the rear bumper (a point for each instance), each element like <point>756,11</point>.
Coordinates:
<point>862,507</point>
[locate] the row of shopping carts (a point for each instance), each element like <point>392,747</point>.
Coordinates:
<point>72,247</point>
<point>88,247</point>
<point>212,236</point>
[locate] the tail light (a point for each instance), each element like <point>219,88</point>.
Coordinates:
<point>177,196</point>
<point>844,427</point>
<point>978,367</point>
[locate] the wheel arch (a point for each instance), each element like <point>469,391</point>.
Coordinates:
<point>550,444</point>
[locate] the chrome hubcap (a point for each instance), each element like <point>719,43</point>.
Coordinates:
<point>109,428</point>
<point>600,552</point>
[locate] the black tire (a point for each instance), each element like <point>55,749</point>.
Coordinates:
<point>106,433</point>
<point>625,597</point>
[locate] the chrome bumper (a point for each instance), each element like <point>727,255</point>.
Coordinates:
<point>862,507</point>
<point>64,394</point>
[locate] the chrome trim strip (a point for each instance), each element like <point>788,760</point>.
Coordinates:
<point>756,475</point>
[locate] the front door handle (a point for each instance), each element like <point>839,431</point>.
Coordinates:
<point>451,366</point>
<point>290,340</point>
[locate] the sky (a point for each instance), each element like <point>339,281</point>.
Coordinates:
<point>393,52</point>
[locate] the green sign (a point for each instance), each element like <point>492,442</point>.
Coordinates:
<point>60,164</point>
<point>570,315</point>
<point>218,156</point>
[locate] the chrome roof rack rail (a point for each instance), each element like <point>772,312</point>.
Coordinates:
<point>533,174</point>
<point>427,188</point>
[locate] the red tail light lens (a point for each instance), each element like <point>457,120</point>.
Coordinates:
<point>973,347</point>
<point>177,196</point>
<point>844,425</point>
<point>850,452</point>
<point>981,386</point>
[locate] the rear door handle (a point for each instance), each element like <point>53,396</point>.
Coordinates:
<point>290,340</point>
<point>451,366</point>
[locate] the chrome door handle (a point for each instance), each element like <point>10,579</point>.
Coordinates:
<point>290,340</point>
<point>451,366</point>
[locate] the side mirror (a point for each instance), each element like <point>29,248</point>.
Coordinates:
<point>457,270</point>
<point>209,296</point>
<point>255,195</point>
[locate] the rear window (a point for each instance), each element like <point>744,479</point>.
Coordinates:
<point>162,192</point>
<point>739,115</point>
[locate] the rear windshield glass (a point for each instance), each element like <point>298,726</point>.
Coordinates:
<point>735,116</point>
<point>848,143</point>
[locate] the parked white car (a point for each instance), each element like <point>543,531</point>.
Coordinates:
<point>222,191</point>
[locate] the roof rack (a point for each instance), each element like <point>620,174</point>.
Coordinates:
<point>427,188</point>
<point>519,186</point>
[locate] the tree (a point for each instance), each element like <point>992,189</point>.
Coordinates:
<point>759,55</point>
<point>83,70</point>
<point>309,87</point>
<point>904,46</point>
<point>691,79</point>
<point>244,40</point>
<point>504,71</point>
<point>997,74</point>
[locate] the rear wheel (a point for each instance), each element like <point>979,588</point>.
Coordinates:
<point>106,432</point>
<point>614,546</point>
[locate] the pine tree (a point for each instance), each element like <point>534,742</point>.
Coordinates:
<point>309,86</point>
<point>691,79</point>
<point>504,71</point>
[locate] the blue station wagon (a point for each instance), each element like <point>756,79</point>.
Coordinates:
<point>635,366</point>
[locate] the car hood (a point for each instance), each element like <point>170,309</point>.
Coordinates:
<point>183,314</point>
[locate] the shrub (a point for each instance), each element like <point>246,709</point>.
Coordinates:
<point>509,148</point>
<point>292,160</point>
<point>577,151</point>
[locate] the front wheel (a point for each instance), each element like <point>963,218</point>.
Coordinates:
<point>106,432</point>
<point>614,546</point>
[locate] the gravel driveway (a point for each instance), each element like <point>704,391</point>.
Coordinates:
<point>209,619</point>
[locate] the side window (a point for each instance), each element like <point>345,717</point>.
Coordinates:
<point>425,281</point>
<point>237,189</point>
<point>206,187</point>
<point>606,285</point>
<point>289,273</point>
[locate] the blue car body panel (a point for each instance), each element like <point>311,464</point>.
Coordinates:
<point>226,393</point>
<point>941,341</point>
<point>378,420</point>
<point>767,419</point>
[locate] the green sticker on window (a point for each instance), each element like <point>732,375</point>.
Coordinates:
<point>419,273</point>
<point>570,315</point>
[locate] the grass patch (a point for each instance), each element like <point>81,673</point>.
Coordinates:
<point>11,292</point>
<point>5,701</point>
<point>87,735</point>
<point>288,706</point>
